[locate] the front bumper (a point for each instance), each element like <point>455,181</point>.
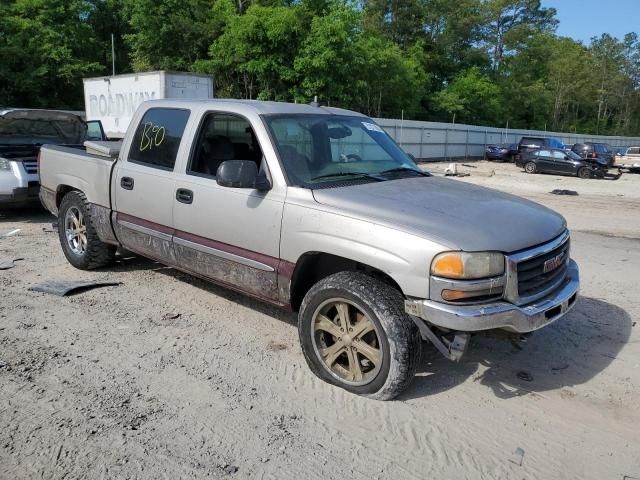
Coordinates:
<point>17,186</point>
<point>501,315</point>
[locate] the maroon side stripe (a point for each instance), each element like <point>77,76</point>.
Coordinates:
<point>145,223</point>
<point>282,267</point>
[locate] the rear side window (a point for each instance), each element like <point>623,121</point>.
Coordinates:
<point>532,142</point>
<point>633,151</point>
<point>158,137</point>
<point>555,143</point>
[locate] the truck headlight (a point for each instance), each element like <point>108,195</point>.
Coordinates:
<point>468,266</point>
<point>4,164</point>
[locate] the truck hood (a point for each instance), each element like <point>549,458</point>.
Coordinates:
<point>39,127</point>
<point>456,214</point>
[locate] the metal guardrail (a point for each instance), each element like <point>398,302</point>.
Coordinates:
<point>433,140</point>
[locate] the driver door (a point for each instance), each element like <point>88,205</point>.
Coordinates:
<point>229,235</point>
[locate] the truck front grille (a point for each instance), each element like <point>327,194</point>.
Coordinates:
<point>30,166</point>
<point>534,273</point>
<point>532,277</point>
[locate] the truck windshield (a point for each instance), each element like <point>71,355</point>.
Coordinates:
<point>317,149</point>
<point>37,131</point>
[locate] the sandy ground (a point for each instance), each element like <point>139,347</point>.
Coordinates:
<point>165,376</point>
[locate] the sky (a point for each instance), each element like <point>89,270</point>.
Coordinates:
<point>583,19</point>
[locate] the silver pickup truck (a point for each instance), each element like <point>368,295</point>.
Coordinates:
<point>317,210</point>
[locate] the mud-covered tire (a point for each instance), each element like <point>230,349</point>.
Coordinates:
<point>95,253</point>
<point>530,167</point>
<point>584,172</point>
<point>399,338</point>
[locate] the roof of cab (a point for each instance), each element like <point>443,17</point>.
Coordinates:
<point>261,107</point>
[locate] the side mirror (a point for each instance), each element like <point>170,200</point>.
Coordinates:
<point>241,174</point>
<point>95,132</point>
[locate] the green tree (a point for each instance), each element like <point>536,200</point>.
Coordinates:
<point>170,34</point>
<point>471,97</point>
<point>511,23</point>
<point>325,62</point>
<point>46,48</point>
<point>254,57</point>
<point>389,82</point>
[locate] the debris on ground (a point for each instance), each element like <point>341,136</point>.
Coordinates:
<point>467,165</point>
<point>230,469</point>
<point>452,171</point>
<point>277,346</point>
<point>526,376</point>
<point>558,191</point>
<point>62,288</point>
<point>171,316</point>
<point>562,367</point>
<point>517,457</point>
<point>10,234</point>
<point>6,264</point>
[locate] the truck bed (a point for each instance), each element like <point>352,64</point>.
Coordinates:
<point>74,167</point>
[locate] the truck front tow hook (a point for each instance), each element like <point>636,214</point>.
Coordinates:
<point>452,349</point>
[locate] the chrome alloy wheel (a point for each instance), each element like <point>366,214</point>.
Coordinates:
<point>346,341</point>
<point>75,231</point>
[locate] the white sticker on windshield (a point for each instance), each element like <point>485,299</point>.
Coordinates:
<point>372,126</point>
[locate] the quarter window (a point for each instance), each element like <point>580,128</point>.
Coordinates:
<point>158,137</point>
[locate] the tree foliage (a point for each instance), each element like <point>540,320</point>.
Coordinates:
<point>479,61</point>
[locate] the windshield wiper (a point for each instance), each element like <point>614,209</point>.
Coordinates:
<point>405,169</point>
<point>345,174</point>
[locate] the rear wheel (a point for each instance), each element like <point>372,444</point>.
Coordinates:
<point>355,334</point>
<point>530,167</point>
<point>78,237</point>
<point>584,172</point>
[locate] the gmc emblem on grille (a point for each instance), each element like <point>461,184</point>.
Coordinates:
<point>553,263</point>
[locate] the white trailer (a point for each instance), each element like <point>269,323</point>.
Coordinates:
<point>113,100</point>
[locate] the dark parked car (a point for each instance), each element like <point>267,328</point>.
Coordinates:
<point>503,152</point>
<point>559,161</point>
<point>595,150</point>
<point>527,144</point>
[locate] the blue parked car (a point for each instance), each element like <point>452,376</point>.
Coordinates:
<point>503,152</point>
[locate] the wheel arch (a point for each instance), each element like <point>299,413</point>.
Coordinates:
<point>61,191</point>
<point>312,267</point>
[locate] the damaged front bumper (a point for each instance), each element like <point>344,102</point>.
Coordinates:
<point>500,315</point>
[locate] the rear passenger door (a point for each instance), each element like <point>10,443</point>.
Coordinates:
<point>143,184</point>
<point>545,160</point>
<point>560,162</point>
<point>230,235</point>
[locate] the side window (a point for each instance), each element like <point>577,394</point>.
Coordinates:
<point>634,151</point>
<point>158,137</point>
<point>557,155</point>
<point>223,137</point>
<point>544,153</point>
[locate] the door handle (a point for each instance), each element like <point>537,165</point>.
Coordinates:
<point>184,196</point>
<point>126,183</point>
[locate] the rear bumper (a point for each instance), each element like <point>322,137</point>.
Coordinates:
<point>501,315</point>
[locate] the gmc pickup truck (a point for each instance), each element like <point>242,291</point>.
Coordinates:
<point>317,210</point>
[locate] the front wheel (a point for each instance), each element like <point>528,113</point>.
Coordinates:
<point>530,167</point>
<point>78,237</point>
<point>584,172</point>
<point>355,334</point>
